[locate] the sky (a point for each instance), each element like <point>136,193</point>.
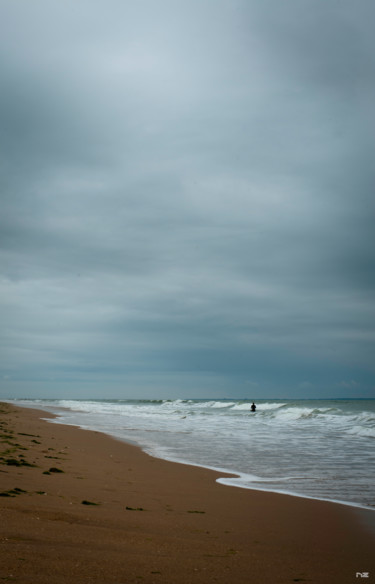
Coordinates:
<point>187,198</point>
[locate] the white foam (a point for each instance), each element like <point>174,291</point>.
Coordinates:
<point>219,405</point>
<point>362,431</point>
<point>241,482</point>
<point>263,407</point>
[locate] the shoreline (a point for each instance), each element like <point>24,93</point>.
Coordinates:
<point>115,514</point>
<point>228,475</point>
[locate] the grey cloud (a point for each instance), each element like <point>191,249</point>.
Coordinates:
<point>187,197</point>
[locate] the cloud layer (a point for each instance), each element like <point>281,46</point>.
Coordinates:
<point>187,198</point>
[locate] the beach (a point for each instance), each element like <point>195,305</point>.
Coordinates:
<point>79,506</point>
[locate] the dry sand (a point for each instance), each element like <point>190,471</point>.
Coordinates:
<point>116,515</point>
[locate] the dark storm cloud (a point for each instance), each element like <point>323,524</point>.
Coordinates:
<point>187,198</point>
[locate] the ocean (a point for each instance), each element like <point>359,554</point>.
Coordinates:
<point>322,449</point>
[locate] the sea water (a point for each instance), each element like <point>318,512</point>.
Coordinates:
<point>321,449</point>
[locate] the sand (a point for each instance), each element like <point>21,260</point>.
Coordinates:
<point>93,509</point>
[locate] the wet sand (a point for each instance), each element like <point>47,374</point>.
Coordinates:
<point>80,507</point>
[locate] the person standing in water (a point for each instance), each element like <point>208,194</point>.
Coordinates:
<point>253,407</point>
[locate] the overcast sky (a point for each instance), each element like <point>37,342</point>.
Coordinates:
<point>187,198</point>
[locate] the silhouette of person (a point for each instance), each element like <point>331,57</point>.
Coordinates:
<point>253,407</point>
